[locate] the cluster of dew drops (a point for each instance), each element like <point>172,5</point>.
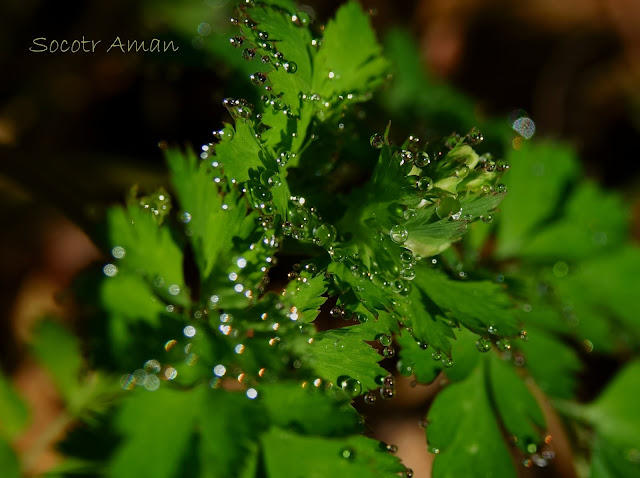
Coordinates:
<point>417,159</point>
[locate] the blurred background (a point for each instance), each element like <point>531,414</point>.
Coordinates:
<point>77,130</point>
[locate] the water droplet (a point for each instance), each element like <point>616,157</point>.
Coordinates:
<point>258,78</point>
<point>236,41</point>
<point>152,366</point>
<point>422,159</point>
<point>248,54</point>
<point>252,393</point>
<point>424,183</point>
<point>118,252</point>
<point>405,367</point>
<point>263,35</point>
<point>447,362</point>
<point>389,352</point>
<point>463,172</point>
<point>324,235</point>
<point>389,381</point>
<point>493,330</point>
<point>189,331</point>
<point>290,66</point>
<point>384,339</point>
<point>110,270</point>
<point>408,273</point>
<point>483,345</point>
<point>410,214</point>
<point>361,317</point>
<point>351,386</point>
<point>501,188</point>
<point>436,355</point>
<point>151,382</point>
<point>369,398</point>
<point>185,217</point>
<point>347,453</point>
<point>377,141</point>
<point>387,393</point>
<point>399,234</point>
<point>337,254</point>
<point>337,313</point>
<point>475,136</point>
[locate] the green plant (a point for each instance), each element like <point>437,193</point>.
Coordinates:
<point>245,311</point>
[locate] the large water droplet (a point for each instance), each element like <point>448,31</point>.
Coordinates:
<point>324,235</point>
<point>290,66</point>
<point>351,386</point>
<point>399,234</point>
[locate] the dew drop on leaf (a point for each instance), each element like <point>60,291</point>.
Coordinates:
<point>290,66</point>
<point>483,345</point>
<point>351,386</point>
<point>387,393</point>
<point>377,141</point>
<point>422,159</point>
<point>324,235</point>
<point>369,398</point>
<point>424,183</point>
<point>347,453</point>
<point>399,234</point>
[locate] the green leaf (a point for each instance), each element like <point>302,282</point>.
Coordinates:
<point>289,39</point>
<point>416,360</point>
<point>372,297</point>
<point>211,228</point>
<point>478,305</point>
<point>607,308</point>
<point>319,457</point>
<point>431,239</point>
<point>538,176</point>
<point>147,249</point>
<point>310,410</point>
<point>464,432</point>
<point>425,320</point>
<point>9,461</point>
<point>609,461</point>
<point>129,297</point>
<point>593,222</point>
<point>156,427</point>
<point>518,410</point>
<point>356,69</point>
<point>477,206</point>
<point>58,350</point>
<point>241,154</point>
<point>614,416</point>
<point>228,424</point>
<point>553,364</point>
<point>343,353</point>
<point>14,414</point>
<point>304,294</point>
<point>614,413</point>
